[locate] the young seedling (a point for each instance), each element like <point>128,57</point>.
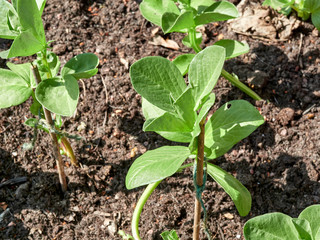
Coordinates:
<point>304,9</point>
<point>178,112</point>
<point>51,92</point>
<point>185,16</point>
<point>274,226</point>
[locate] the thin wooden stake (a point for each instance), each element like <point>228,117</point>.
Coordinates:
<point>55,143</point>
<point>199,181</point>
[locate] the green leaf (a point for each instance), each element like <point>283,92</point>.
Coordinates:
<point>152,10</point>
<point>35,107</point>
<point>184,108</point>
<point>24,71</point>
<point>30,19</point>
<point>196,129</point>
<point>59,95</point>
<point>186,40</point>
<point>170,235</point>
<point>151,111</point>
<point>33,122</point>
<point>26,44</point>
<point>312,5</point>
<point>204,72</point>
<point>231,123</point>
<point>53,63</point>
<point>277,4</point>
<point>312,215</point>
<point>271,226</point>
<point>13,89</point>
<point>157,80</point>
<point>183,137</point>
<point>315,18</point>
<point>201,5</point>
<point>238,193</point>
<point>182,62</point>
<point>41,4</point>
<point>171,22</point>
<point>303,228</point>
<point>233,48</point>
<point>219,11</point>
<point>5,31</point>
<point>81,66</point>
<point>168,122</point>
<point>156,165</point>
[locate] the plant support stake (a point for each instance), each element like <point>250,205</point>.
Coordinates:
<point>55,147</point>
<point>199,181</point>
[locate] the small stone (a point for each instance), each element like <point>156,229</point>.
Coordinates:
<point>59,49</point>
<point>285,116</point>
<point>257,79</point>
<point>283,132</point>
<point>228,215</point>
<point>22,190</point>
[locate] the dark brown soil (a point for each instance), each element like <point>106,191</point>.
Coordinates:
<point>279,163</point>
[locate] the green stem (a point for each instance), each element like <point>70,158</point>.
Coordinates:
<point>142,201</point>
<point>193,40</point>
<point>239,85</point>
<point>45,62</point>
<point>138,209</point>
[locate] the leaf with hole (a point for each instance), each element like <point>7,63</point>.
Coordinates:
<point>231,123</point>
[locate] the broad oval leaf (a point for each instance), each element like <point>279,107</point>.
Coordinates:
<point>157,80</point>
<point>182,62</point>
<point>81,66</point>
<point>231,123</point>
<point>152,10</point>
<point>238,193</point>
<point>26,44</point>
<point>219,11</point>
<point>271,226</point>
<point>315,17</point>
<point>155,165</point>
<point>204,71</point>
<point>59,95</point>
<point>24,71</point>
<point>13,89</point>
<point>233,48</point>
<point>171,22</point>
<point>312,215</point>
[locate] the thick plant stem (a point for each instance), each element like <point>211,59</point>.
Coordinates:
<point>239,85</point>
<point>138,209</point>
<point>55,143</point>
<point>199,181</point>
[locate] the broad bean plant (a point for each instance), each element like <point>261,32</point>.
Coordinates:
<point>274,226</point>
<point>178,112</point>
<point>54,92</point>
